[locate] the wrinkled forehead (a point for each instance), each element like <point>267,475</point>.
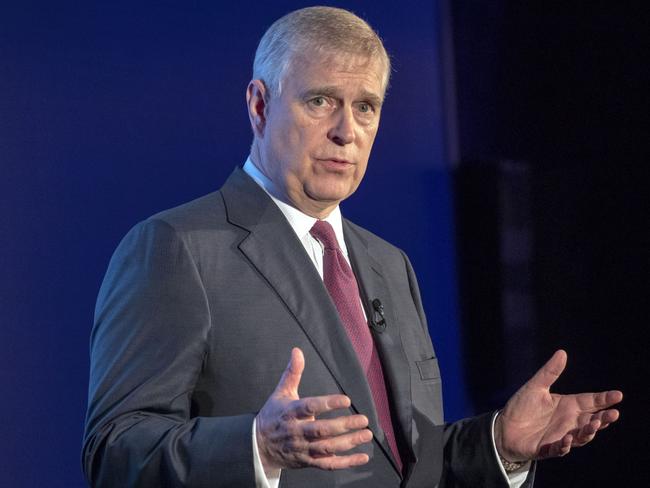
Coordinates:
<point>339,61</point>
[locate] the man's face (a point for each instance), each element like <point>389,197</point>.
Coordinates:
<point>319,132</point>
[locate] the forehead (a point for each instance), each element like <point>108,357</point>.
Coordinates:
<point>309,70</point>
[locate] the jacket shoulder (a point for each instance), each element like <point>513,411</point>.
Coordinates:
<point>189,224</point>
<point>203,213</point>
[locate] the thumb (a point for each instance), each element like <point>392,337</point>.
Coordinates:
<point>290,380</point>
<point>550,372</point>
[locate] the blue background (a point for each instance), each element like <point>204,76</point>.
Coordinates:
<point>112,111</point>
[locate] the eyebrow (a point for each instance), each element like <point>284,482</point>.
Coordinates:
<point>333,92</point>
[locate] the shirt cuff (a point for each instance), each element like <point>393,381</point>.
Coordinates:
<point>261,479</point>
<point>516,478</point>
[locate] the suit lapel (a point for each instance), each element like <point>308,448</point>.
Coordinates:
<point>275,251</point>
<point>394,363</point>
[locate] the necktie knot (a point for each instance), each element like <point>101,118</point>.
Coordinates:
<point>324,232</point>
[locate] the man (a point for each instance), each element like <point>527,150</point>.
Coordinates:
<point>203,304</point>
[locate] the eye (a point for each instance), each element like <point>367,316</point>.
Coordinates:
<point>364,107</point>
<point>318,101</point>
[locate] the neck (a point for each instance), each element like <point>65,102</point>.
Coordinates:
<point>317,209</point>
<point>308,206</point>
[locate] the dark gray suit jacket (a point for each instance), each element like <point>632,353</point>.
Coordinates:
<point>194,324</point>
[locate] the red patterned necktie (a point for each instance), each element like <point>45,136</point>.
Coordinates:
<point>342,287</point>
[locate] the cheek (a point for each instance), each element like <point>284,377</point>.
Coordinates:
<point>358,175</point>
<point>292,137</point>
<point>369,137</point>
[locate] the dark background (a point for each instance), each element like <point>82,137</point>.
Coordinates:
<point>111,111</point>
<point>564,89</point>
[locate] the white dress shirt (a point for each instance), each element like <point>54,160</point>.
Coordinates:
<point>301,224</point>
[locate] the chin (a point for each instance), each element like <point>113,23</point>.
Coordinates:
<point>329,194</point>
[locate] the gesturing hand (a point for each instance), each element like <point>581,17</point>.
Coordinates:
<point>538,424</point>
<point>290,436</point>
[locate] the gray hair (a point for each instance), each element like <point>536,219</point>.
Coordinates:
<point>325,30</point>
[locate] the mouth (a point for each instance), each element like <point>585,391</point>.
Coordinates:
<point>336,161</point>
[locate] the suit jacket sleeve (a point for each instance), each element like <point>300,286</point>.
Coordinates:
<point>148,345</point>
<point>468,456</point>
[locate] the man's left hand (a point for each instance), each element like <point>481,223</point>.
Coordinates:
<point>538,424</point>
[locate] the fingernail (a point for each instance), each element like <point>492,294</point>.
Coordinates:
<point>343,402</point>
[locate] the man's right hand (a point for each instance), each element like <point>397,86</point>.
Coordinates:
<point>290,436</point>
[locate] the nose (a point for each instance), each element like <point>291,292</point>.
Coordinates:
<point>342,130</point>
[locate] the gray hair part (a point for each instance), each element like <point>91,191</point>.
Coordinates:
<point>318,30</point>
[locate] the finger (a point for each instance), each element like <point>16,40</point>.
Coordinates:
<point>608,417</point>
<point>550,372</point>
<point>310,407</point>
<point>290,380</point>
<point>606,399</point>
<point>592,402</point>
<point>340,462</point>
<point>586,433</point>
<point>342,443</point>
<point>558,448</point>
<point>565,445</point>
<point>320,429</point>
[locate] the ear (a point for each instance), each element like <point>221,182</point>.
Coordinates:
<point>256,99</point>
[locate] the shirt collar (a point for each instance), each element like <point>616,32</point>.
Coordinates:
<point>300,222</point>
